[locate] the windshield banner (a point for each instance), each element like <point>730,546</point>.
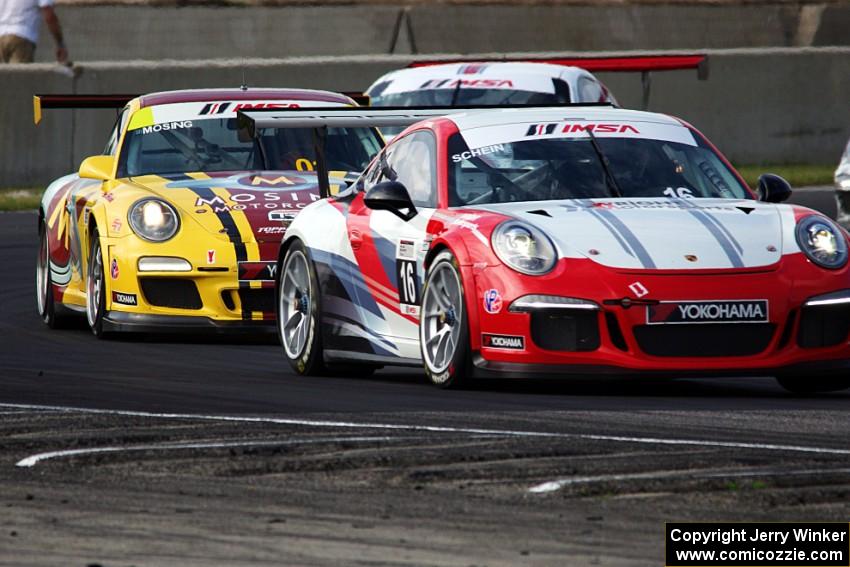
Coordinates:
<point>511,133</point>
<point>515,82</point>
<point>172,115</point>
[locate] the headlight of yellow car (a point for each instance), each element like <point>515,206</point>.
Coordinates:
<point>153,219</point>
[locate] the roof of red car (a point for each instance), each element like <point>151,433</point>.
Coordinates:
<point>210,95</point>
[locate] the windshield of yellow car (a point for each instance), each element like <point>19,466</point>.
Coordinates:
<point>211,145</point>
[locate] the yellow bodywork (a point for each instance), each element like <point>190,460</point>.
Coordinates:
<point>76,210</point>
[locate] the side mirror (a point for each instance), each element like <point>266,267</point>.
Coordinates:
<point>391,196</point>
<point>773,189</point>
<point>97,167</point>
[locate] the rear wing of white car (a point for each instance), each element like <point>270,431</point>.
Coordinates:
<point>643,63</point>
<point>320,119</point>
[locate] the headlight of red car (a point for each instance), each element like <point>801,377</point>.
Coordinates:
<point>524,248</point>
<point>822,242</point>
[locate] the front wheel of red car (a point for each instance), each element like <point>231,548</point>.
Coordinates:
<point>443,324</point>
<point>813,384</point>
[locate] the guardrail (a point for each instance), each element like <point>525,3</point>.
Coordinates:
<point>759,105</point>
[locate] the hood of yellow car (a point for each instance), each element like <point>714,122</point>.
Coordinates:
<point>251,206</point>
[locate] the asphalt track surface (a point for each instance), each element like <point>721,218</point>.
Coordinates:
<point>147,451</point>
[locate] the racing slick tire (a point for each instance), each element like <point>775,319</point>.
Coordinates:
<point>96,287</point>
<point>44,284</point>
<point>443,324</point>
<point>299,312</point>
<point>813,384</point>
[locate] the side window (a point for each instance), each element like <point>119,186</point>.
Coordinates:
<point>412,161</point>
<point>589,90</point>
<point>371,175</point>
<point>112,143</point>
<point>562,90</point>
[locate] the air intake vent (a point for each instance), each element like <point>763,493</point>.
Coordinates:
<point>171,292</point>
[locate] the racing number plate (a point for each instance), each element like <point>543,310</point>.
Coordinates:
<point>408,286</point>
<point>716,311</point>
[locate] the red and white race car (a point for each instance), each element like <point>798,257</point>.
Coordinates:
<point>560,240</point>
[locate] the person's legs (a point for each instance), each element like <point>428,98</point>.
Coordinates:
<point>14,49</point>
<point>4,55</point>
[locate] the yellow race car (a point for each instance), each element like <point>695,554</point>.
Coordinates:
<point>176,227</point>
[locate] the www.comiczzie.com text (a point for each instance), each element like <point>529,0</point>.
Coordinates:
<point>758,544</point>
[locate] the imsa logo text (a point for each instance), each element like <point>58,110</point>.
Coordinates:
<point>509,342</point>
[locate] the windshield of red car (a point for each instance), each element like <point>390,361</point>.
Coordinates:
<point>572,168</point>
<point>216,145</point>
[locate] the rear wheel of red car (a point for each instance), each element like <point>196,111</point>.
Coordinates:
<point>443,327</point>
<point>813,384</point>
<point>44,284</point>
<point>96,288</point>
<point>298,312</point>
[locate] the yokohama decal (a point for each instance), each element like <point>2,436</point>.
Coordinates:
<point>124,298</point>
<point>508,342</point>
<point>257,271</point>
<point>732,311</point>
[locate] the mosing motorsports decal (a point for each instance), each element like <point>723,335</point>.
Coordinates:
<point>731,311</point>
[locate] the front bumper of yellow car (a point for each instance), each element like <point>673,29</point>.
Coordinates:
<point>180,286</point>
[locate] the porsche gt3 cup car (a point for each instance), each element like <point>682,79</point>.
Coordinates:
<point>178,224</point>
<point>520,82</point>
<point>486,84</point>
<point>562,241</point>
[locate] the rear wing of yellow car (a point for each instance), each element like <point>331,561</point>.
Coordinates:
<point>319,119</point>
<point>41,102</point>
<point>73,101</point>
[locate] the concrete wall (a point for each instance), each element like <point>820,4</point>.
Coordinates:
<point>758,106</point>
<point>106,33</point>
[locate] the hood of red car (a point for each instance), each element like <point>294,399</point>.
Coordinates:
<point>663,234</point>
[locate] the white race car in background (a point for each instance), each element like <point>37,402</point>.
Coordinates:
<point>486,84</point>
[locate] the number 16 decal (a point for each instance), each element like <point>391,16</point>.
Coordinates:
<point>408,286</point>
<point>407,292</point>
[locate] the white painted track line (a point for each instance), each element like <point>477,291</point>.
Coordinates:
<point>33,460</point>
<point>443,429</point>
<point>555,485</point>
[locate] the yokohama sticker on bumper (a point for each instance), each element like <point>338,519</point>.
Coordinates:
<point>509,342</point>
<point>731,311</point>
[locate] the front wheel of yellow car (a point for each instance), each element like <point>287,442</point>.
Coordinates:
<point>95,288</point>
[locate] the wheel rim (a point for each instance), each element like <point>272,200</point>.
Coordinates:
<point>296,305</point>
<point>41,279</point>
<point>442,314</point>
<point>94,287</point>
